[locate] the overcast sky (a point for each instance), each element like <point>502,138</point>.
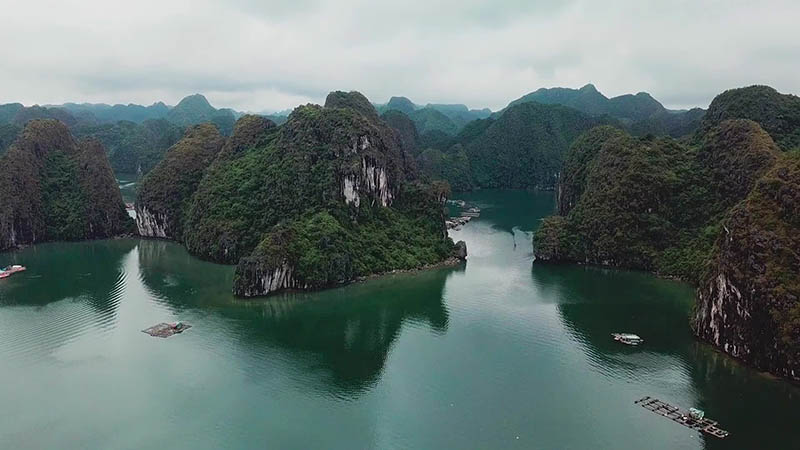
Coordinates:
<point>269,55</point>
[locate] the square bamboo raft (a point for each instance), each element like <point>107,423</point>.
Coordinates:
<point>674,413</point>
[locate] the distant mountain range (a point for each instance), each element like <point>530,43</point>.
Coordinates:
<point>137,136</point>
<point>641,112</point>
<point>449,119</point>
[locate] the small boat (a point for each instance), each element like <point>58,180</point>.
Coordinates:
<point>627,338</point>
<point>696,414</point>
<point>11,270</point>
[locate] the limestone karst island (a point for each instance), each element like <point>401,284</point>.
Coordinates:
<point>447,225</point>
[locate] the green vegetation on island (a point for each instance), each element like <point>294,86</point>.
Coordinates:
<point>165,194</point>
<point>778,114</point>
<point>719,211</point>
<point>133,147</point>
<point>327,197</point>
<point>55,188</point>
<point>640,113</point>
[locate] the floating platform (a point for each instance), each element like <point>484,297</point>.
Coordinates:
<point>684,418</point>
<point>165,330</point>
<point>455,223</point>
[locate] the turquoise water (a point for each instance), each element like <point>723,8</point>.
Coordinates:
<point>128,183</point>
<point>498,353</point>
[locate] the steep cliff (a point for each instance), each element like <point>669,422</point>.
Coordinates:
<point>320,250</point>
<point>165,193</point>
<point>327,197</point>
<point>720,211</point>
<point>748,302</point>
<point>318,158</point>
<point>652,204</point>
<point>57,189</point>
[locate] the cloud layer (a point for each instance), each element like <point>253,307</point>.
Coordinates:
<point>270,55</point>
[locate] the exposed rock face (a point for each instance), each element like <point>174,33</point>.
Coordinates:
<point>460,250</point>
<point>166,191</point>
<point>314,203</point>
<point>151,225</point>
<point>56,189</point>
<point>254,278</point>
<point>306,254</point>
<point>371,181</point>
<point>748,304</point>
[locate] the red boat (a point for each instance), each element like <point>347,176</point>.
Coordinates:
<point>11,270</point>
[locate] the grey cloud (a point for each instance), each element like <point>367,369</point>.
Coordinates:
<point>257,55</point>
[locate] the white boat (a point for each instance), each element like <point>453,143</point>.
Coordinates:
<point>627,338</point>
<point>10,270</point>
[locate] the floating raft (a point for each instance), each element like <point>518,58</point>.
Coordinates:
<point>682,417</point>
<point>455,223</point>
<point>165,330</point>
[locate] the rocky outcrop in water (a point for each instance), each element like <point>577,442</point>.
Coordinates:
<point>652,204</point>
<point>720,211</point>
<point>55,188</point>
<point>325,198</point>
<point>748,303</point>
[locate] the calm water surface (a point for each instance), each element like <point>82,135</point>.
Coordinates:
<point>496,354</point>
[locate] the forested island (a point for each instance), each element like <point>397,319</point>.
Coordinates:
<point>720,209</point>
<point>55,188</point>
<point>329,194</point>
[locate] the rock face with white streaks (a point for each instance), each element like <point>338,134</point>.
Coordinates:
<point>166,192</point>
<point>748,304</point>
<point>352,167</point>
<point>151,225</point>
<point>370,182</point>
<point>254,278</point>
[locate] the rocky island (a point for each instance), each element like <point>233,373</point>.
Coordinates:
<point>330,196</point>
<point>719,209</point>
<point>55,188</point>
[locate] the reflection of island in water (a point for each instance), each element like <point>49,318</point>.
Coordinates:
<point>593,306</point>
<point>88,271</point>
<point>68,290</point>
<point>337,340</point>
